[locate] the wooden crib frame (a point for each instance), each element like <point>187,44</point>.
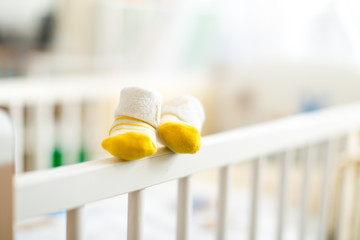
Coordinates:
<point>71,187</point>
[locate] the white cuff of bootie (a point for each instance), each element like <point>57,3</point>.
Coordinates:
<point>140,103</point>
<point>187,109</point>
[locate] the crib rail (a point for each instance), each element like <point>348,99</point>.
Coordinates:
<point>94,180</point>
<point>70,187</point>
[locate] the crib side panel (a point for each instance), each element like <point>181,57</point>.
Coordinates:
<point>45,189</point>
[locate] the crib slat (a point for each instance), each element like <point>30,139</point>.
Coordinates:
<point>6,201</point>
<point>353,173</point>
<point>135,213</point>
<point>223,194</point>
<point>286,160</point>
<point>39,159</point>
<point>184,209</point>
<point>17,115</point>
<point>44,123</point>
<point>345,209</point>
<point>308,159</point>
<point>329,157</point>
<point>255,196</point>
<point>356,227</point>
<point>6,177</point>
<point>74,224</point>
<point>70,129</point>
<point>342,209</point>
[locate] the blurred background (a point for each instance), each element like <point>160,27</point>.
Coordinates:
<point>64,62</point>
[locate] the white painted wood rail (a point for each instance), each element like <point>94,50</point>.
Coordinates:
<point>6,177</point>
<point>44,191</point>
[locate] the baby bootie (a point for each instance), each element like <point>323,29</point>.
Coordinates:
<point>180,124</point>
<point>132,135</point>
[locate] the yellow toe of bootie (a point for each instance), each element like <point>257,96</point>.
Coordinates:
<point>130,145</point>
<point>180,137</point>
<point>180,124</point>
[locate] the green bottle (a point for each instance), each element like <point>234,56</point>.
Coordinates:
<point>82,154</point>
<point>56,157</point>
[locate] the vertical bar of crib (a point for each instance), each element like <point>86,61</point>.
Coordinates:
<point>356,226</point>
<point>74,224</point>
<point>17,115</point>
<point>6,201</point>
<point>183,209</point>
<point>135,212</point>
<point>341,209</point>
<point>44,119</point>
<point>286,160</point>
<point>39,158</point>
<point>353,155</point>
<point>346,206</point>
<point>255,196</point>
<point>308,159</point>
<point>223,194</point>
<point>70,125</point>
<point>330,147</point>
<point>343,204</point>
<point>6,178</point>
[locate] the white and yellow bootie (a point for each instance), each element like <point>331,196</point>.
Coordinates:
<point>180,124</point>
<point>133,133</point>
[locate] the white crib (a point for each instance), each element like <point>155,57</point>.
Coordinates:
<point>71,187</point>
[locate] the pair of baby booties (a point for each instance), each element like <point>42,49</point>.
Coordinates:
<point>140,120</point>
